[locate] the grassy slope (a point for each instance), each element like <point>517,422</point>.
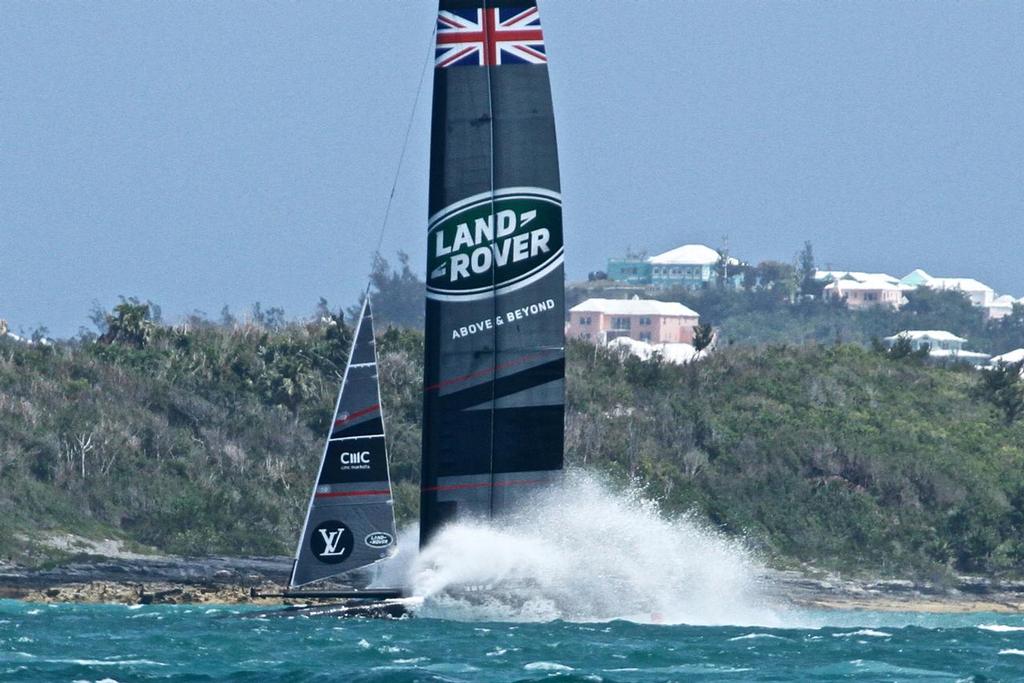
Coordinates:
<point>205,441</point>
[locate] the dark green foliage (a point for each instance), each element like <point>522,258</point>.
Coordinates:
<point>205,438</point>
<point>703,335</point>
<point>766,315</point>
<point>1003,387</point>
<point>903,347</point>
<point>806,270</point>
<point>397,295</point>
<point>834,455</point>
<point>132,322</point>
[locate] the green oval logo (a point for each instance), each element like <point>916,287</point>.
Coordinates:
<point>496,242</point>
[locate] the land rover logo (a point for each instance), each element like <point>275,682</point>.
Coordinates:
<point>500,242</point>
<point>331,542</point>
<point>379,539</point>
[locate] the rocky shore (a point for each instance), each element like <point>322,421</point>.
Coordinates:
<point>224,580</point>
<point>962,594</point>
<point>156,580</point>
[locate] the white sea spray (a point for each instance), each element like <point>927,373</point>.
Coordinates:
<point>1000,628</point>
<point>584,552</point>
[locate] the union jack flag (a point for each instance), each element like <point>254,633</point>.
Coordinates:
<point>485,37</point>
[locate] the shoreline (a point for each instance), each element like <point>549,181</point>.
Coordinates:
<point>221,580</point>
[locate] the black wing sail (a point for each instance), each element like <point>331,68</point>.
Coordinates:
<point>495,340</point>
<point>350,522</point>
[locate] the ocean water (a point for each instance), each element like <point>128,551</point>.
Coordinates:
<point>107,643</point>
<point>589,583</point>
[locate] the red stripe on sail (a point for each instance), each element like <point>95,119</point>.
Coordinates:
<point>358,413</point>
<point>485,484</point>
<point>485,371</point>
<point>339,494</point>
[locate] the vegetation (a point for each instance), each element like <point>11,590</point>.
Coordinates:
<point>203,438</point>
<point>773,315</point>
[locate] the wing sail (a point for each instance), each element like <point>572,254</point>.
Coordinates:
<point>494,348</point>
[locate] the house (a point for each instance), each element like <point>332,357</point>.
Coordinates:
<point>691,266</point>
<point>827,276</point>
<point>677,353</point>
<point>631,269</point>
<point>1015,356</point>
<point>5,331</point>
<point>867,294</point>
<point>941,345</point>
<point>646,320</point>
<point>1001,307</point>
<point>979,293</point>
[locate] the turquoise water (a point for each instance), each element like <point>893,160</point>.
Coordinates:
<point>199,643</point>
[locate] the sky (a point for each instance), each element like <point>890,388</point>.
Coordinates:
<point>198,155</point>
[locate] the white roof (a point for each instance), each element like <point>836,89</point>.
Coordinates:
<point>678,352</point>
<point>937,335</point>
<point>634,306</point>
<point>857,275</point>
<point>866,285</point>
<point>1004,300</point>
<point>689,255</point>
<point>1015,356</point>
<point>965,284</point>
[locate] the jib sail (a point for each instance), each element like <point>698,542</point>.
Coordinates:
<point>350,522</point>
<point>494,348</point>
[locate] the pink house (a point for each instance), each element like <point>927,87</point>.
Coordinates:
<point>866,294</point>
<point>655,322</point>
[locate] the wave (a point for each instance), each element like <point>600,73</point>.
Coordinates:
<point>1000,628</point>
<point>583,552</point>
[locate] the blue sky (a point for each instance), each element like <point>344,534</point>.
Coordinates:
<point>231,152</point>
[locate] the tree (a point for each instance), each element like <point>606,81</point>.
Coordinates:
<point>1003,387</point>
<point>806,269</point>
<point>703,335</point>
<point>397,294</point>
<point>780,278</point>
<point>131,323</point>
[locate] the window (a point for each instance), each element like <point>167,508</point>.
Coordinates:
<point>645,321</point>
<point>645,336</point>
<point>620,323</point>
<point>584,320</point>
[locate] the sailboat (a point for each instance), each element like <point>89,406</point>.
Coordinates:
<point>350,519</point>
<point>494,365</point>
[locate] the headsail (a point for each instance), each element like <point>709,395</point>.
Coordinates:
<point>494,347</point>
<point>350,522</point>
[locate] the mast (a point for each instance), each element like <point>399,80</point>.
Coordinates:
<point>350,521</point>
<point>495,347</point>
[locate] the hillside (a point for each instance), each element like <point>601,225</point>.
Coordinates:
<point>203,439</point>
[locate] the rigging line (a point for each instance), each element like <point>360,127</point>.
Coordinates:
<point>405,145</point>
<point>487,28</point>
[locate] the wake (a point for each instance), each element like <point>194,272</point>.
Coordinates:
<point>586,553</point>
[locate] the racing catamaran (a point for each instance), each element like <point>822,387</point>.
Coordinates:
<point>494,366</point>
